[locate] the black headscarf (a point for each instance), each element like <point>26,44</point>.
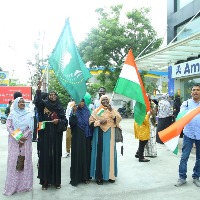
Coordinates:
<point>17,94</point>
<point>54,106</point>
<point>44,95</point>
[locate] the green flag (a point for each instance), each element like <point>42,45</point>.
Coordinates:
<point>68,65</point>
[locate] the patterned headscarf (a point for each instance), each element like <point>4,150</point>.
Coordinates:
<point>104,97</point>
<point>83,115</point>
<point>165,96</point>
<point>22,118</point>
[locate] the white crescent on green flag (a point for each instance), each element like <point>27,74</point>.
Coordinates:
<point>130,84</point>
<point>68,65</point>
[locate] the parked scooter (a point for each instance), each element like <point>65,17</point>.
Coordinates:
<point>123,112</point>
<point>3,119</point>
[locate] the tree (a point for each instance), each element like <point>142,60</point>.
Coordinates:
<point>108,44</point>
<point>54,85</point>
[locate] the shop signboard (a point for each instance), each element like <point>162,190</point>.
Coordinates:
<point>186,69</point>
<point>6,93</point>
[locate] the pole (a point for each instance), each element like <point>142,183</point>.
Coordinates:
<point>47,79</point>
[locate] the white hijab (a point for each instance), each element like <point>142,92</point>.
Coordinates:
<point>21,117</point>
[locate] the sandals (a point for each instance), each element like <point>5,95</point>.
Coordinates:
<point>87,182</point>
<point>99,182</point>
<point>44,187</point>
<point>111,181</point>
<point>58,186</point>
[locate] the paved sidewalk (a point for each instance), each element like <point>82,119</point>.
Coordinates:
<point>136,181</point>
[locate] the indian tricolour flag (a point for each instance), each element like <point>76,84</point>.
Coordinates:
<point>170,135</point>
<point>100,110</point>
<point>41,125</point>
<point>130,85</point>
<point>17,134</point>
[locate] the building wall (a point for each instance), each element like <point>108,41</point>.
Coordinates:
<point>176,18</point>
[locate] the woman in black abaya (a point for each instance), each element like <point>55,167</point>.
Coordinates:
<point>81,144</point>
<point>49,169</point>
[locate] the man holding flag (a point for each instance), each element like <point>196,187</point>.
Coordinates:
<point>191,135</point>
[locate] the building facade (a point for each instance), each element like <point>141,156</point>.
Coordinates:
<point>183,19</point>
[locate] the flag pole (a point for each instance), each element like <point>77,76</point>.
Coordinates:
<point>112,97</point>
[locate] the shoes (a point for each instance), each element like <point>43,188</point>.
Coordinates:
<point>45,186</point>
<point>180,182</point>
<point>136,155</point>
<point>58,186</point>
<point>99,182</point>
<point>87,182</point>
<point>111,181</point>
<point>67,155</point>
<point>144,160</point>
<point>196,181</point>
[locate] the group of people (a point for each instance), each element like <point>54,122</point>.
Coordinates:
<point>146,134</point>
<point>166,116</point>
<point>93,147</point>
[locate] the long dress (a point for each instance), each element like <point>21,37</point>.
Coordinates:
<point>165,113</point>
<point>50,147</point>
<point>104,153</point>
<point>150,149</point>
<point>19,181</point>
<point>80,146</point>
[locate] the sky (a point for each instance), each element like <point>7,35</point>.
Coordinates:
<point>26,22</point>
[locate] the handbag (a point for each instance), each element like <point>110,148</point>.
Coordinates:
<point>20,163</point>
<point>118,135</point>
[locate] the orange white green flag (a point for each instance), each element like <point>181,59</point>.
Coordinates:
<point>41,125</point>
<point>17,134</point>
<point>170,135</point>
<point>130,85</point>
<point>100,110</point>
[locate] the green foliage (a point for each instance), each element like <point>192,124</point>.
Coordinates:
<point>149,84</point>
<point>108,44</point>
<point>92,89</point>
<point>54,85</point>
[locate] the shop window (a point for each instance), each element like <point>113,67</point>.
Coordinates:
<point>181,3</point>
<point>192,27</point>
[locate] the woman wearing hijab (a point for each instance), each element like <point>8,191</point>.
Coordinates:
<point>104,119</point>
<point>164,114</point>
<point>80,144</point>
<point>19,119</point>
<point>50,150</point>
<point>150,149</point>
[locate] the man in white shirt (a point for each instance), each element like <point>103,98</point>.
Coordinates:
<point>101,91</point>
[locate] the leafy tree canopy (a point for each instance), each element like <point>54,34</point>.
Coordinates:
<point>54,85</point>
<point>108,44</point>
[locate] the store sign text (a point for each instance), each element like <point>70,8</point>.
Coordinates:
<point>186,69</point>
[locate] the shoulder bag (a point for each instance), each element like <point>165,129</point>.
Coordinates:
<point>118,135</point>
